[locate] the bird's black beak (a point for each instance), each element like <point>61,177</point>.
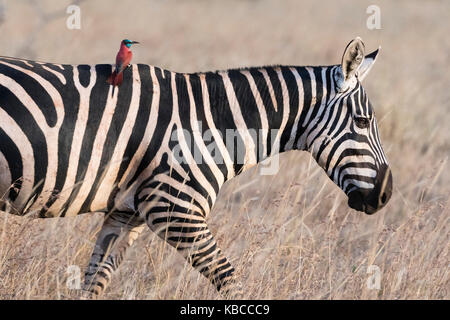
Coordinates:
<point>134,42</point>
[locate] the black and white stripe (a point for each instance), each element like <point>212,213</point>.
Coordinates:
<point>156,151</point>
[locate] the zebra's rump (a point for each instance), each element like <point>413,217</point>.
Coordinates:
<point>64,140</point>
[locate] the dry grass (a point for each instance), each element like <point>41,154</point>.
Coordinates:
<point>290,236</point>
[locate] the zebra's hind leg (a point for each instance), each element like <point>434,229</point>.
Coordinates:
<point>119,231</point>
<point>188,232</point>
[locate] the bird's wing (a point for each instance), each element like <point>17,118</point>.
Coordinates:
<point>119,67</point>
<point>122,61</point>
<point>127,59</point>
<point>119,62</point>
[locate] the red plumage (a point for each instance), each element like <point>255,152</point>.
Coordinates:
<point>123,59</point>
<point>115,79</point>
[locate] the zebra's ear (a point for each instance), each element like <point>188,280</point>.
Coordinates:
<point>353,58</point>
<point>367,64</point>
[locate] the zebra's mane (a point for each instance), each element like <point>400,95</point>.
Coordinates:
<point>217,71</point>
<point>256,68</point>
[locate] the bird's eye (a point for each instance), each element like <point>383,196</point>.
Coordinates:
<point>362,122</point>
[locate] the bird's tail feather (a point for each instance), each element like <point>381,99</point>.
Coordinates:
<point>115,80</point>
<point>111,78</point>
<point>119,79</point>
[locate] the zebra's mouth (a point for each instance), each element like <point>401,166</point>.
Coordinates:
<point>370,201</point>
<point>356,201</point>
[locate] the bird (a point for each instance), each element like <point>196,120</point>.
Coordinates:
<point>123,59</point>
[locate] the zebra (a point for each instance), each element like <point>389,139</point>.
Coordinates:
<point>68,146</point>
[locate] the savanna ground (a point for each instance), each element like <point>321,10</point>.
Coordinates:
<point>290,235</point>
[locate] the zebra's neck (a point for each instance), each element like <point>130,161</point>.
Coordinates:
<point>261,112</point>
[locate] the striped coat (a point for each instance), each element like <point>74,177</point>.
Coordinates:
<point>157,151</point>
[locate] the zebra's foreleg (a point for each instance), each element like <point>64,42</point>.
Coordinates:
<point>119,231</point>
<point>190,235</point>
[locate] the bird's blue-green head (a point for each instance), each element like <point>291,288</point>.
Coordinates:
<point>128,43</point>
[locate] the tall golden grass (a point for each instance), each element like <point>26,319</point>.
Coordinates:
<point>290,235</point>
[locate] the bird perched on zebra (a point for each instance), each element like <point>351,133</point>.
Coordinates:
<point>123,59</point>
<point>157,155</point>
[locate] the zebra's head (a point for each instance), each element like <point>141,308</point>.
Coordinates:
<point>348,146</point>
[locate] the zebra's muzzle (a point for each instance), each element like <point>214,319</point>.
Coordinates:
<point>370,201</point>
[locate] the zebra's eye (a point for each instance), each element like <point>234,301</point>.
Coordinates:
<point>362,122</point>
